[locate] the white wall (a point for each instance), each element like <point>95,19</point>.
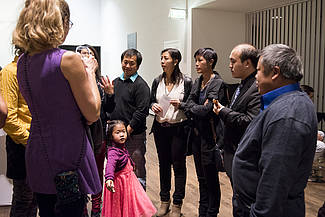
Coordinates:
<point>8,18</point>
<point>107,22</point>
<point>150,20</point>
<point>85,14</point>
<point>86,18</point>
<point>221,31</point>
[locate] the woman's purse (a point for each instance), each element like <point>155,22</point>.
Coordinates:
<point>67,187</point>
<point>218,151</point>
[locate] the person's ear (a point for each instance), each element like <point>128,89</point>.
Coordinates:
<point>276,72</point>
<point>247,63</point>
<point>211,62</point>
<point>175,62</point>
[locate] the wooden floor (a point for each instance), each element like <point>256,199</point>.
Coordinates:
<point>314,193</point>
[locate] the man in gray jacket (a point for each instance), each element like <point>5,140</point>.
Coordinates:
<point>270,167</point>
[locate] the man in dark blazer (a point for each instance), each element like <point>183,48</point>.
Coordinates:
<point>245,102</point>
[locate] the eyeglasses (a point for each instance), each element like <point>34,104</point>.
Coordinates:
<point>70,24</point>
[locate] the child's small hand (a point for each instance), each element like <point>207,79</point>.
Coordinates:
<point>110,185</point>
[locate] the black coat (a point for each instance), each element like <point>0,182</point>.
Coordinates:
<point>204,119</point>
<point>238,117</point>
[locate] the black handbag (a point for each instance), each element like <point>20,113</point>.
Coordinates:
<point>218,152</point>
<point>67,186</point>
<point>219,159</point>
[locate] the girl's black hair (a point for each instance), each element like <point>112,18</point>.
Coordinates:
<point>110,128</point>
<point>175,55</point>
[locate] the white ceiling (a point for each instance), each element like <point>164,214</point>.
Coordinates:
<point>246,5</point>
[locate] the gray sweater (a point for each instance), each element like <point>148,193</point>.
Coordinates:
<point>274,158</point>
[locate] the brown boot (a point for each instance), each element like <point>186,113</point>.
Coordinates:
<point>163,209</point>
<point>176,210</point>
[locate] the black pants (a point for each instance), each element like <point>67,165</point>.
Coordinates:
<point>136,146</point>
<point>228,158</point>
<point>171,148</point>
<point>23,199</point>
<point>208,178</point>
<point>48,206</point>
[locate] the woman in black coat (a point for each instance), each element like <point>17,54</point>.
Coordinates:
<point>207,87</point>
<point>169,93</point>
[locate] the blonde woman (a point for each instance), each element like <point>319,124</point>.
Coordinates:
<point>61,92</point>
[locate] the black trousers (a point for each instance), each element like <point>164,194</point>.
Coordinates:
<point>227,159</point>
<point>23,199</point>
<point>171,148</point>
<point>48,206</point>
<point>136,146</point>
<point>208,178</point>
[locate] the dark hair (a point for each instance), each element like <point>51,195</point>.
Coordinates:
<point>208,54</point>
<point>175,55</point>
<point>249,52</point>
<point>307,89</point>
<point>130,53</point>
<point>110,128</point>
<point>98,72</point>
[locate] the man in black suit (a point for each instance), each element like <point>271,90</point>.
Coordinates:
<point>245,102</point>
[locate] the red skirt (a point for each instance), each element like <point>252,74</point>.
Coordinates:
<point>129,199</point>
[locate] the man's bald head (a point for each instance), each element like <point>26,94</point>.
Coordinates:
<point>247,51</point>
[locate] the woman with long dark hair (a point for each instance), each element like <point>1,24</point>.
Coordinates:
<point>169,93</point>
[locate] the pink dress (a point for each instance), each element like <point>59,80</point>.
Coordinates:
<point>129,199</point>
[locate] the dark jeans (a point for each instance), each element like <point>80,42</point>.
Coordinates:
<point>48,206</point>
<point>136,146</point>
<point>227,159</point>
<point>23,200</point>
<point>171,149</point>
<point>209,185</point>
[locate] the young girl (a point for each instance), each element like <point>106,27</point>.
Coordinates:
<point>123,195</point>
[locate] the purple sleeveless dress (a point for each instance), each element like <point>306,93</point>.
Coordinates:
<point>57,138</point>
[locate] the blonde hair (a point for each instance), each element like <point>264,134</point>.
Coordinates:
<point>41,25</point>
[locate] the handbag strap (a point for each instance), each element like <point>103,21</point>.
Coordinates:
<point>213,130</point>
<point>35,119</point>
